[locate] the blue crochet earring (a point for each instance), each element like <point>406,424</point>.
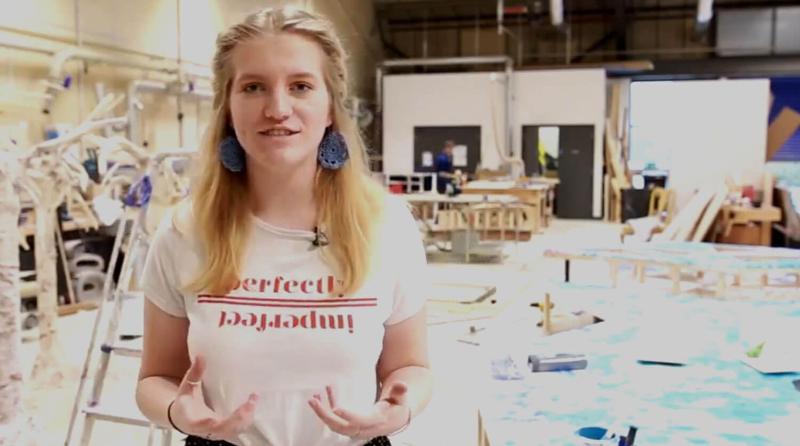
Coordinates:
<point>231,154</point>
<point>333,153</point>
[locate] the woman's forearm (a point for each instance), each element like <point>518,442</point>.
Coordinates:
<point>153,395</point>
<point>419,383</point>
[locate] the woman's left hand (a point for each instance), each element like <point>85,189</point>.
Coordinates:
<point>386,416</point>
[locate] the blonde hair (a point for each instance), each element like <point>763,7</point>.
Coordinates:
<point>349,201</point>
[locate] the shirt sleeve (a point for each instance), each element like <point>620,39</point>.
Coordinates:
<point>160,279</point>
<point>412,284</point>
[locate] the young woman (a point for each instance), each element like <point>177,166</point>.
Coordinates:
<point>285,302</point>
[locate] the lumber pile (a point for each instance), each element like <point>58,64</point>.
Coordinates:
<point>694,222</point>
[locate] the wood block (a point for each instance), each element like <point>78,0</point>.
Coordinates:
<point>546,314</point>
<point>614,271</point>
<point>675,275</point>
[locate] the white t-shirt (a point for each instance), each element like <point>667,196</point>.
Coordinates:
<point>280,334</point>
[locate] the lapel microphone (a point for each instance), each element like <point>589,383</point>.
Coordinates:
<point>320,239</point>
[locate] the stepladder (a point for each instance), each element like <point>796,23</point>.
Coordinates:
<point>124,340</point>
<point>117,340</point>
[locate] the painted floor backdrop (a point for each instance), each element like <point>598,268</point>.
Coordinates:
<point>715,399</point>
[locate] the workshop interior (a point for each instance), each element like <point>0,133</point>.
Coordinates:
<point>607,193</point>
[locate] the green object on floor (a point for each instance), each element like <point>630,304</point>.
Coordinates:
<point>755,352</point>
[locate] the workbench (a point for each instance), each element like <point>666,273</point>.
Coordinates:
<point>465,220</point>
<point>428,203</point>
<point>537,194</point>
<point>735,222</point>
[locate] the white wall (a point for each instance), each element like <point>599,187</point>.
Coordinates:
<point>540,97</point>
<point>564,97</point>
<point>440,100</point>
<point>710,129</point>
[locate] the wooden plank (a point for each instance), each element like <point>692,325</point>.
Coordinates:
<point>624,139</point>
<point>613,155</point>
<point>616,201</point>
<point>743,215</point>
<point>607,197</point>
<point>769,185</point>
<point>616,92</point>
<point>64,310</point>
<point>686,230</point>
<point>686,217</point>
<point>608,151</point>
<point>710,214</point>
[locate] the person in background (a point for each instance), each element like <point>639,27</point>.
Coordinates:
<point>444,167</point>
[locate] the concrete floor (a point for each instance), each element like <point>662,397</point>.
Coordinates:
<point>451,417</point>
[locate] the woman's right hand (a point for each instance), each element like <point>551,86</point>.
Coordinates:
<point>190,414</point>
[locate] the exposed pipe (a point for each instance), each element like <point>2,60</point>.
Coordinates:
<point>704,11</point>
<point>500,17</point>
<point>480,60</point>
<point>135,106</point>
<point>557,12</point>
<point>582,15</point>
<point>44,44</point>
<point>56,81</point>
<point>78,43</point>
<point>510,158</point>
<point>190,89</point>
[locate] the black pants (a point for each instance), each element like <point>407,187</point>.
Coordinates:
<point>197,441</point>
